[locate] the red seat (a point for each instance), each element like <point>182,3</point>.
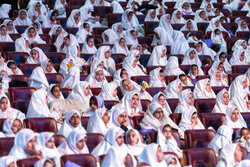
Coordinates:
<point>21,29</point>
<point>15,36</point>
<point>204,105</point>
<point>86,56</point>
<point>217,89</point>
<point>239,13</point>
<point>246,116</point>
<point>149,27</point>
<point>54,78</point>
<point>23,4</point>
<point>6,46</point>
<point>218,5</point>
<point>27,68</point>
<point>83,77</point>
<point>46,30</point>
<point>243,34</point>
<point>69,8</point>
<point>98,30</point>
<point>135,121</point>
<point>150,68</point>
<point>93,139</point>
<point>19,78</point>
<point>20,93</point>
<point>46,38</point>
<point>102,11</point>
<point>200,77</point>
<point>96,91</point>
<point>176,117</point>
<point>86,69</point>
<point>155,90</point>
<point>6,143</point>
<point>46,47</point>
<point>56,57</point>
<point>231,41</point>
<point>144,59</point>
<point>185,68</point>
<point>179,56</point>
<point>198,34</point>
<point>198,138</point>
<point>18,57</point>
<point>140,79</point>
<point>76,2</point>
<point>170,4</point>
<point>41,124</point>
<point>205,69</point>
<point>230,26</point>
<point>59,139</point>
<point>226,12</point>
<point>205,60</point>
<point>109,78</point>
<point>62,20</point>
<point>21,105</point>
<point>1,122</point>
<point>145,103</point>
<point>214,120</point>
<point>114,18</point>
<point>118,66</point>
<point>65,92</point>
<point>177,26</point>
<point>172,103</point>
<point>187,17</point>
<point>84,121</point>
<point>240,68</point>
<point>231,77</point>
<point>118,58</point>
<point>72,30</point>
<point>110,103</point>
<point>27,162</point>
<point>145,40</point>
<point>202,26</point>
<point>197,157</point>
<point>140,18</point>
<point>80,159</point>
<point>170,78</point>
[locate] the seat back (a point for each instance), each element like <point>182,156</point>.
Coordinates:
<point>56,57</point>
<point>150,68</point>
<point>170,78</point>
<point>54,78</point>
<point>19,81</point>
<point>135,121</point>
<point>42,124</point>
<point>27,68</point>
<point>198,138</point>
<point>177,26</point>
<point>231,77</point>
<point>93,139</point>
<point>21,105</point>
<point>110,103</point>
<point>21,29</point>
<point>96,91</point>
<point>204,105</point>
<point>118,58</point>
<point>1,123</point>
<point>6,143</point>
<point>145,103</point>
<point>84,121</point>
<point>176,117</point>
<point>59,139</point>
<point>217,89</point>
<point>214,120</point>
<point>65,92</point>
<point>80,159</point>
<point>155,90</point>
<point>114,18</point>
<point>20,93</point>
<point>240,68</point>
<point>246,116</point>
<point>140,79</point>
<point>46,47</point>
<point>98,30</point>
<point>18,57</point>
<point>102,11</point>
<point>27,162</point>
<point>172,103</point>
<point>198,34</point>
<point>149,27</point>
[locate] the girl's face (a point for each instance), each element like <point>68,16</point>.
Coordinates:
<point>194,118</point>
<point>119,29</point>
<point>54,17</point>
<point>91,42</point>
<point>163,53</point>
<point>198,47</point>
<point>209,8</point>
<point>191,99</point>
<point>99,76</point>
<point>242,56</point>
<point>87,91</point>
<point>4,104</point>
<point>238,154</point>
<point>87,27</point>
<point>106,117</point>
<point>217,23</point>
<point>132,138</point>
<point>208,87</point>
<point>114,93</point>
<point>58,30</point>
<point>226,98</point>
<point>49,67</point>
<point>244,24</point>
<point>51,143</point>
<point>167,132</point>
<point>194,70</point>
<point>11,165</point>
<point>134,35</point>
<point>162,101</point>
<point>223,58</point>
<point>122,118</point>
<point>10,26</point>
<point>202,15</point>
<point>122,43</point>
<point>245,134</point>
<point>35,54</point>
<point>56,92</point>
<point>158,114</point>
<point>235,115</point>
<point>178,15</point>
<point>37,7</point>
<point>192,54</point>
<point>120,140</point>
<point>31,145</point>
<point>75,120</point>
<point>77,16</point>
<point>23,15</point>
<point>243,44</point>
<point>173,162</point>
<point>221,68</point>
<point>185,6</point>
<point>218,77</point>
<point>217,12</point>
<point>134,101</point>
<point>101,65</point>
<point>161,76</point>
<point>107,54</point>
<point>4,31</point>
<point>16,126</point>
<point>159,155</point>
<point>130,15</point>
<point>81,144</point>
<point>134,64</point>
<point>31,33</point>
<point>179,88</point>
<point>127,85</point>
<point>152,14</point>
<point>168,18</point>
<point>245,84</point>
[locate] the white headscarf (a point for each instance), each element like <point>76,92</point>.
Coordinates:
<point>5,38</point>
<point>156,59</point>
<point>168,158</point>
<point>185,27</point>
<point>126,102</point>
<point>72,79</point>
<point>97,64</point>
<point>197,17</point>
<point>71,21</point>
<point>166,25</point>
<point>236,87</point>
<point>59,42</point>
<point>227,155</point>
<point>207,51</point>
<point>171,90</point>
<point>81,35</point>
<point>92,79</point>
<point>127,64</point>
<point>212,27</point>
<point>238,43</point>
<point>117,110</point>
<point>165,38</point>
<point>235,60</point>
<point>220,106</point>
<point>6,22</point>
<point>155,78</point>
<point>200,92</point>
<point>4,10</point>
<point>39,29</point>
<point>69,145</point>
<point>21,140</point>
<point>112,36</point>
<point>118,49</point>
<point>42,57</point>
<point>180,44</point>
<point>66,127</point>
<point>186,124</point>
<point>7,160</point>
<point>240,28</point>
<point>148,16</point>
<point>6,127</point>
<point>96,124</point>
<point>172,67</point>
<point>246,7</point>
<point>129,24</point>
<point>108,90</point>
<point>54,29</point>
<point>32,11</point>
<point>188,61</point>
<point>138,148</point>
<point>130,39</point>
<point>222,137</point>
<point>149,156</point>
<point>241,103</point>
<point>25,22</point>
<point>38,79</point>
<point>50,96</point>
<point>175,20</point>
<point>88,50</point>
<point>117,8</point>
<point>183,105</point>
<point>166,108</point>
<point>44,66</point>
<point>240,123</point>
<point>226,64</point>
<point>36,39</point>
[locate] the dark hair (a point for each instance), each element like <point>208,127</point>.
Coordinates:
<point>194,113</point>
<point>193,65</point>
<point>181,75</point>
<point>200,43</point>
<point>124,81</point>
<point>167,125</point>
<point>53,13</point>
<point>52,89</point>
<point>216,30</point>
<point>89,37</point>
<point>85,24</point>
<point>3,25</point>
<point>161,71</point>
<point>241,130</point>
<point>161,95</point>
<point>93,101</point>
<point>122,70</point>
<point>11,63</point>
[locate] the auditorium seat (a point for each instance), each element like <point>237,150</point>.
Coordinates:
<point>144,59</point>
<point>46,38</point>
<point>84,121</point>
<point>149,27</point>
<point>118,66</point>
<point>145,40</point>
<point>170,4</point>
<point>217,89</point>
<point>72,30</point>
<point>16,79</point>
<point>18,57</point>
<point>239,13</point>
<point>145,103</point>
<point>205,60</point>
<point>77,2</point>
<point>154,90</point>
<point>63,21</point>
<point>113,18</point>
<point>218,5</point>
<point>85,69</point>
<point>109,78</point>
<point>1,123</point>
<point>6,46</point>
<point>69,9</point>
<point>246,116</point>
<point>6,144</point>
<point>231,77</point>
<point>128,160</point>
<point>54,78</point>
<point>185,68</point>
<point>202,26</point>
<point>80,159</point>
<point>20,93</point>
<point>200,77</point>
<point>135,121</point>
<point>50,3</point>
<point>150,68</point>
<point>172,103</point>
<point>83,77</point>
<point>176,117</point>
<point>198,34</point>
<point>231,41</point>
<point>27,68</point>
<point>59,139</point>
<point>56,57</point>
<point>93,139</point>
<point>65,92</point>
<point>23,4</point>
<point>224,33</point>
<point>197,157</point>
<point>21,29</point>
<point>204,105</point>
<point>170,78</point>
<point>205,69</point>
<point>46,47</point>
<point>21,105</point>
<point>177,26</point>
<point>15,36</point>
<point>140,18</point>
<point>230,26</point>
<point>214,120</point>
<point>118,58</point>
<point>240,68</point>
<point>27,162</point>
<point>96,91</point>
<point>41,124</point>
<point>140,79</point>
<point>110,103</point>
<point>102,11</point>
<point>98,30</point>
<point>243,34</point>
<point>179,56</point>
<point>46,30</point>
<point>198,138</point>
<point>86,56</point>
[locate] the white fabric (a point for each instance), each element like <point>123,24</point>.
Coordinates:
<point>13,31</point>
<point>118,49</point>
<point>235,60</point>
<point>126,102</point>
<point>4,10</point>
<point>87,49</point>
<point>71,21</point>
<point>226,64</point>
<point>165,38</point>
<point>197,17</point>
<point>92,79</point>
<point>148,16</point>
<point>138,147</point>
<point>117,110</point>
<point>44,66</point>
<point>25,22</point>
<point>227,155</point>
<point>50,96</point>
<point>183,105</point>
<point>117,8</point>
<point>194,27</point>
<point>97,63</point>
<point>180,44</point>
<point>241,103</point>
<point>212,27</point>
<point>115,28</point>
<point>32,12</point>
<point>165,23</point>
<point>188,61</point>
<point>215,81</point>
<point>220,106</point>
<point>207,51</point>
<point>165,106</point>
<point>59,42</point>
<point>240,123</point>
<point>240,28</point>
<point>172,67</point>
<point>20,45</point>
<point>171,90</point>
<point>156,59</point>
<point>108,90</point>
<point>236,87</point>
<point>36,39</point>
<point>112,36</point>
<point>127,24</point>
<point>39,29</point>
<point>246,7</point>
<point>42,57</point>
<point>47,22</point>
<point>54,29</point>
<point>6,127</point>
<point>127,64</point>
<point>7,160</point>
<point>186,124</point>
<point>5,38</point>
<point>130,40</point>
<point>38,79</point>
<point>61,8</point>
<point>200,92</point>
<point>175,20</point>
<point>72,79</point>
<point>155,78</point>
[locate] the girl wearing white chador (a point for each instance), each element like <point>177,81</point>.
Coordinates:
<point>197,17</point>
<point>94,83</point>
<point>25,22</point>
<point>42,57</point>
<point>61,7</point>
<point>175,20</point>
<point>36,39</point>
<point>226,64</point>
<point>200,91</point>
<point>215,24</point>
<point>50,96</point>
<point>4,10</point>
<point>163,38</point>
<point>21,45</point>
<point>71,22</point>
<point>129,24</point>
<point>165,106</point>
<point>172,67</point>
<point>87,49</point>
<point>131,39</point>
<point>98,63</point>
<point>187,60</point>
<point>32,12</point>
<point>138,147</point>
<point>111,35</point>
<point>237,87</point>
<point>155,79</point>
<point>158,56</point>
<point>96,123</point>
<point>119,49</point>
<point>240,123</point>
<point>130,64</point>
<point>220,106</point>
<point>193,28</point>
<point>38,106</point>
<point>38,79</point>
<point>184,104</point>
<point>108,90</point>
<point>222,138</point>
<point>10,112</point>
<point>66,127</point>
<point>241,28</point>
<point>173,89</point>
<point>13,31</point>
<point>117,27</point>
<point>7,160</point>
<point>180,44</point>
<point>165,23</point>
<point>148,16</point>
<point>5,38</point>
<point>72,79</point>
<point>241,103</point>
<point>236,57</point>
<point>207,51</point>
<point>186,124</point>
<point>7,127</point>
<point>69,147</point>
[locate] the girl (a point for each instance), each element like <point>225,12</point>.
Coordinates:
<point>54,93</point>
<point>120,117</point>
<point>6,111</point>
<point>89,46</point>
<point>4,10</point>
<point>8,161</point>
<point>180,44</point>
<point>47,66</point>
<point>37,56</point>
<point>165,23</point>
<point>217,38</point>
<point>177,18</point>
<point>11,126</point>
<point>56,30</point>
<point>157,78</point>
<point>71,122</point>
<point>161,99</point>
<point>10,26</point>
<point>200,16</point>
<point>75,143</point>
<point>131,37</point>
<point>83,33</point>
<point>158,57</point>
<point>117,27</point>
<point>32,36</point>
<point>74,19</point>
<point>37,12</point>
<point>120,47</point>
<point>97,78</point>
<point>4,36</point>
<point>240,57</point>
<point>203,90</point>
<point>109,91</point>
<point>50,20</point>
<point>22,19</point>
<point>161,37</point>
<point>191,57</point>
<point>95,102</point>
<point>99,122</point>
<point>216,80</point>
<point>134,143</point>
<point>38,79</point>
<point>209,9</point>
<point>129,20</point>
<point>60,6</point>
<point>194,72</point>
<point>222,138</point>
<point>109,37</point>
<point>22,45</point>
<point>186,9</point>
<point>98,63</point>
<point>222,57</point>
<point>190,121</point>
<point>25,145</point>
<point>234,118</point>
<point>72,79</point>
<point>172,67</point>
<point>81,92</point>
<point>186,102</point>
<point>222,102</point>
<point>203,49</point>
<point>151,16</point>
<point>239,87</point>
<point>242,26</point>
<point>173,89</point>
<point>230,155</point>
<point>190,25</point>
<point>130,64</point>
<point>215,24</point>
